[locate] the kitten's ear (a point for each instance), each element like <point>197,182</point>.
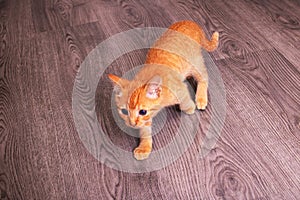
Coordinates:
<point>115,79</point>
<point>154,88</point>
<point>119,83</point>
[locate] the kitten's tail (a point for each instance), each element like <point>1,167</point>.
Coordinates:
<point>212,44</point>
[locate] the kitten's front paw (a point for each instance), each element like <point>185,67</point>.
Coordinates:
<point>201,103</point>
<point>190,111</point>
<point>188,108</point>
<point>141,153</point>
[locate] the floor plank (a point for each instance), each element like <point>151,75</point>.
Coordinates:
<point>42,45</point>
<point>262,121</point>
<point>277,22</point>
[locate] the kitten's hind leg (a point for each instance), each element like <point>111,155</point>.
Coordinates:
<point>186,104</point>
<point>202,86</point>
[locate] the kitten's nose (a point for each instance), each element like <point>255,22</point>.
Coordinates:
<point>132,122</point>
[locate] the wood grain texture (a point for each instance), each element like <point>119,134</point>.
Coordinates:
<point>277,21</point>
<point>43,43</point>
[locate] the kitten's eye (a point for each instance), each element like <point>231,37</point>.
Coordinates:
<point>143,112</point>
<point>124,111</point>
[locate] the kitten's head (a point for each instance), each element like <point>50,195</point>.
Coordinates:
<point>137,101</point>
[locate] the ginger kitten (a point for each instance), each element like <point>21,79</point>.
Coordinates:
<point>173,58</point>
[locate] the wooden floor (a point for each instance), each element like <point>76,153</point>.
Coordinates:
<point>43,43</point>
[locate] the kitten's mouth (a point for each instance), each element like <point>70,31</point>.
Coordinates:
<point>133,126</point>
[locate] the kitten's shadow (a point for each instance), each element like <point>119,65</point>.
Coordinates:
<point>192,86</point>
